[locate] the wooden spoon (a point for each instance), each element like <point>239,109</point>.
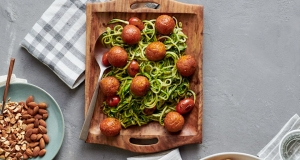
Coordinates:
<point>10,69</point>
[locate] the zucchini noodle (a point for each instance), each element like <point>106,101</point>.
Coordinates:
<point>168,87</point>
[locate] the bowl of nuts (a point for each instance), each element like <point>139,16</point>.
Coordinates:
<point>32,124</point>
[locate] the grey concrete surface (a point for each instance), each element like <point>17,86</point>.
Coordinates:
<point>251,75</point>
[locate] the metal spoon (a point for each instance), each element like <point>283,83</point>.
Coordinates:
<point>10,69</point>
<point>98,52</point>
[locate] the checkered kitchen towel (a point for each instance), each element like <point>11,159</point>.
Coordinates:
<point>57,39</point>
<point>271,150</point>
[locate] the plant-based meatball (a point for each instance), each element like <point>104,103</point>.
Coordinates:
<point>164,24</point>
<point>117,56</point>
<point>174,121</point>
<point>156,51</point>
<point>139,86</point>
<point>110,126</point>
<point>109,85</point>
<point>186,65</point>
<point>131,34</point>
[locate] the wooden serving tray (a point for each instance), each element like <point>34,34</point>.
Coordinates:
<point>151,137</point>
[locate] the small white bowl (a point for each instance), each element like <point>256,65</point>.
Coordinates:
<point>289,145</point>
<point>231,156</point>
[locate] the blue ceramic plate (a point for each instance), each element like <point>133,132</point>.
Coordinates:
<point>55,121</point>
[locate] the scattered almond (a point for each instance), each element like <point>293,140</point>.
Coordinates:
<point>32,105</point>
<point>33,144</point>
<point>42,143</point>
<point>42,152</point>
<point>36,151</point>
<point>42,105</point>
<point>43,111</point>
<point>33,137</point>
<point>42,123</point>
<point>46,138</point>
<point>42,130</point>
<point>36,123</point>
<point>29,99</point>
<point>45,116</point>
<point>28,152</point>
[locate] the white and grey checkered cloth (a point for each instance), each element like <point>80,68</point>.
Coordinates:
<point>271,150</point>
<point>58,38</point>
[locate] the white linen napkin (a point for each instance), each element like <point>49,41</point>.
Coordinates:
<point>12,79</point>
<point>271,150</point>
<point>166,155</point>
<point>58,39</point>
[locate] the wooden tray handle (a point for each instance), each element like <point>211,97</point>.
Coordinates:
<point>134,4</point>
<point>165,6</point>
<point>147,144</point>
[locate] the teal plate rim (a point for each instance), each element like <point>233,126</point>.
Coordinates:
<point>55,121</point>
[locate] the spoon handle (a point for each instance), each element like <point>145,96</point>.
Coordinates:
<point>10,69</point>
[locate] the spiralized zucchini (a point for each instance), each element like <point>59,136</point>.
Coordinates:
<point>168,87</point>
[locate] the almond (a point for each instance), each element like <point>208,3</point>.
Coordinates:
<point>28,139</point>
<point>30,111</point>
<point>43,111</point>
<point>24,112</point>
<point>26,116</point>
<point>39,136</point>
<point>28,152</point>
<point>38,116</point>
<point>45,116</point>
<point>36,123</point>
<point>33,137</point>
<point>35,131</point>
<point>21,103</point>
<point>46,138</point>
<point>29,126</point>
<point>42,152</point>
<point>33,144</point>
<point>25,156</point>
<point>19,155</point>
<point>28,133</point>
<point>42,105</point>
<point>42,130</point>
<point>35,110</point>
<point>30,120</point>
<point>32,105</point>
<point>36,151</point>
<point>42,123</point>
<point>29,99</point>
<point>42,143</point>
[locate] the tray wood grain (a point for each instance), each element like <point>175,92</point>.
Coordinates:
<point>152,137</point>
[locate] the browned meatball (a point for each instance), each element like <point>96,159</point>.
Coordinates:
<point>109,85</point>
<point>174,121</point>
<point>110,126</point>
<point>117,56</point>
<point>139,86</point>
<point>186,65</point>
<point>164,24</point>
<point>156,51</point>
<point>131,34</point>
